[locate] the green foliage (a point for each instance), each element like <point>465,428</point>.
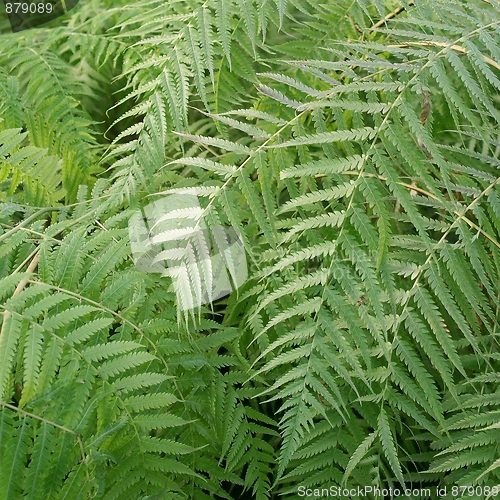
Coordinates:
<point>355,147</point>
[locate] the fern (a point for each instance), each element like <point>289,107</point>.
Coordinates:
<point>350,148</point>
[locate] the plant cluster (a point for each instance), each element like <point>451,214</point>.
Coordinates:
<point>354,146</point>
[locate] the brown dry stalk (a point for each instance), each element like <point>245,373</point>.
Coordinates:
<point>390,16</point>
<point>18,290</point>
<point>457,48</point>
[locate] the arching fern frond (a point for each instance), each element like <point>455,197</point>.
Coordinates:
<point>350,149</point>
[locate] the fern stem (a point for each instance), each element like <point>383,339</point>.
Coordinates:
<point>17,291</point>
<point>26,221</point>
<point>391,15</point>
<point>457,48</point>
<point>48,422</point>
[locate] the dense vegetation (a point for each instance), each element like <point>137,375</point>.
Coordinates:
<point>355,146</point>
